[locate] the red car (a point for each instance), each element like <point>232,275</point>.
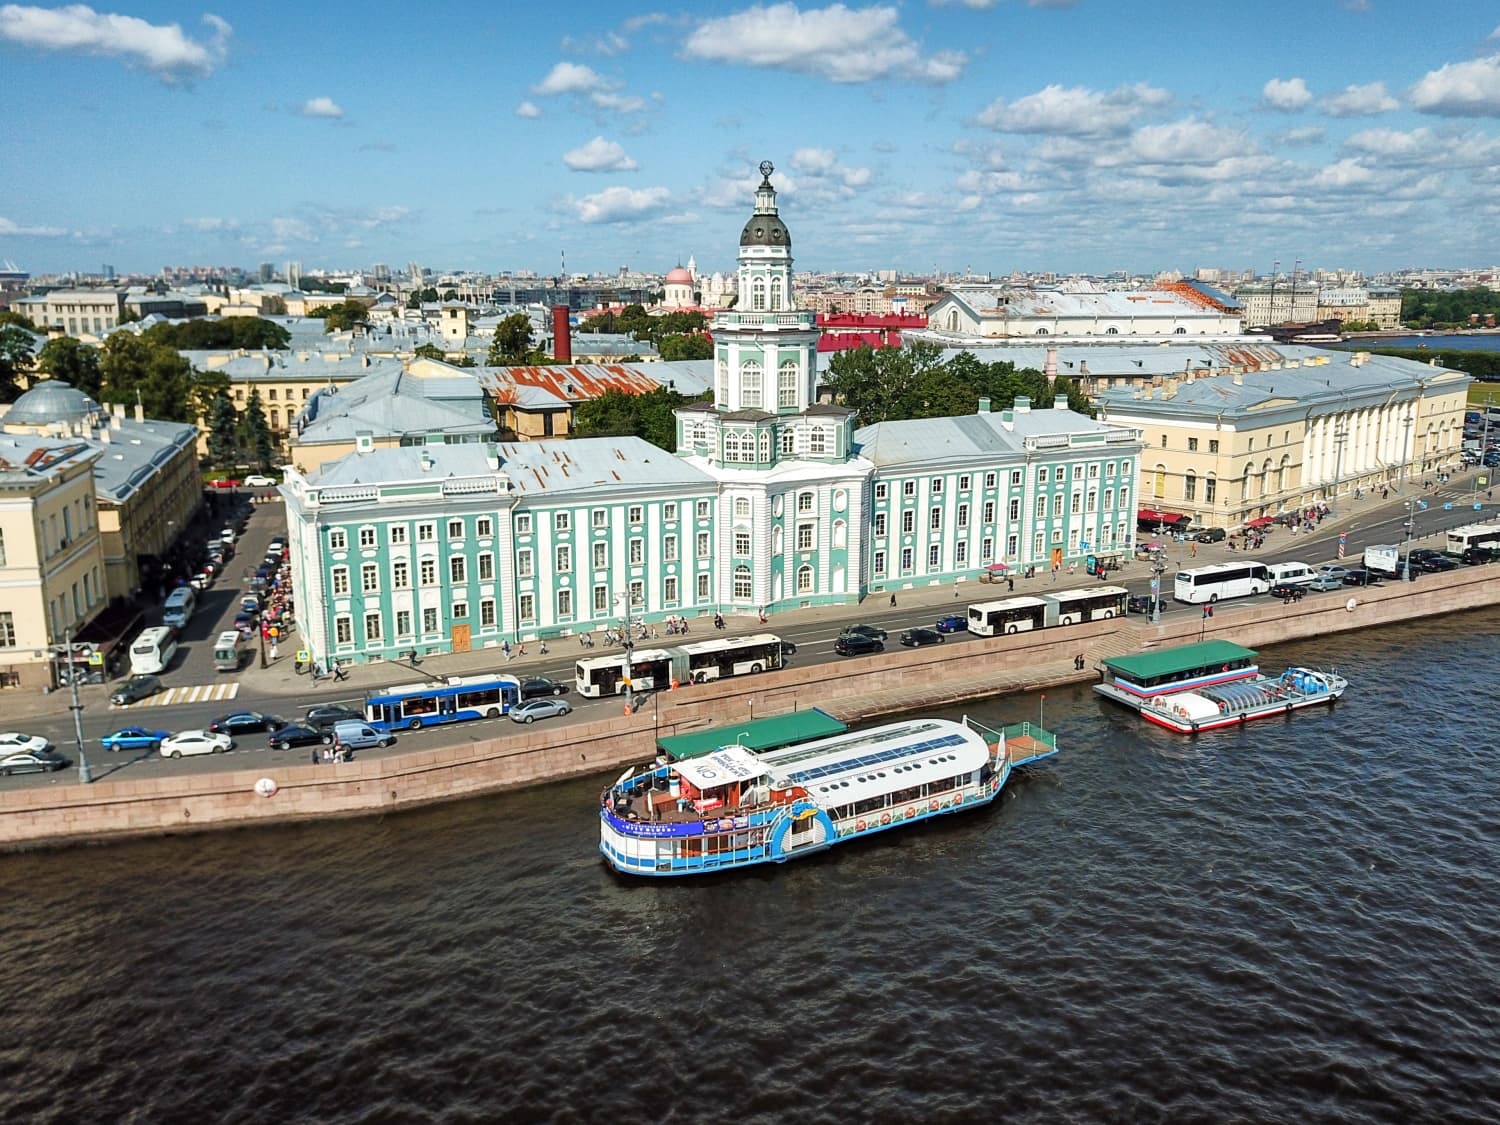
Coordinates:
<point>225,483</point>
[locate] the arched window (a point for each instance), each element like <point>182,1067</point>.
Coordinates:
<point>1111,331</point>
<point>751,376</point>
<point>776,540</point>
<point>744,589</point>
<point>804,579</point>
<point>758,294</point>
<point>742,507</point>
<point>840,534</point>
<point>765,445</point>
<point>723,381</point>
<point>1245,482</point>
<point>1265,478</point>
<point>1190,485</point>
<point>1181,332</point>
<point>786,383</point>
<point>788,442</point>
<point>777,302</point>
<point>1283,472</point>
<point>1042,332</point>
<point>953,320</point>
<point>1159,483</point>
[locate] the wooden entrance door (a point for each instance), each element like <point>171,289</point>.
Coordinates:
<point>460,638</point>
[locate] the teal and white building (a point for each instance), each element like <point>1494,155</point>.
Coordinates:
<point>773,501</point>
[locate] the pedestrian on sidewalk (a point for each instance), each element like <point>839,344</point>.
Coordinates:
<point>314,755</point>
<point>893,601</point>
<point>1193,550</point>
<point>1010,585</point>
<point>955,589</point>
<point>273,652</point>
<point>505,648</point>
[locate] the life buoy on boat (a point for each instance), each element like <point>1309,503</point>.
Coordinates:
<point>910,811</point>
<point>859,827</point>
<point>933,805</point>
<point>885,818</point>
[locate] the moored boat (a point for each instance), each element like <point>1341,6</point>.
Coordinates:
<point>739,808</point>
<point>1197,687</point>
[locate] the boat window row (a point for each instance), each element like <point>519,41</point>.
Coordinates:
<point>902,797</point>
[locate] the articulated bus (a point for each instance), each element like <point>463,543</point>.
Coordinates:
<point>456,700</point>
<point>697,662</point>
<point>1226,580</point>
<point>1090,603</point>
<point>1009,615</point>
<point>1460,539</point>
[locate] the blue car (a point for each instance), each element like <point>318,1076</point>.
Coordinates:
<point>952,623</point>
<point>134,738</point>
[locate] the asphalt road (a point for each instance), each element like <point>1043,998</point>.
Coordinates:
<point>1383,524</point>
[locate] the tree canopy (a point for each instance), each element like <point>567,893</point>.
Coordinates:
<point>914,381</point>
<point>249,332</point>
<point>342,316</point>
<point>634,321</point>
<point>1443,308</point>
<point>512,344</point>
<point>616,413</point>
<point>16,359</point>
<point>75,363</point>
<point>689,346</point>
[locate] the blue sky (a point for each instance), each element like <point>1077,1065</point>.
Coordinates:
<point>1070,135</point>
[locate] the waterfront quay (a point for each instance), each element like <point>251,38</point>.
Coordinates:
<point>274,790</point>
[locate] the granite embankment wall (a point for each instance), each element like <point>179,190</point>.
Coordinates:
<point>855,689</point>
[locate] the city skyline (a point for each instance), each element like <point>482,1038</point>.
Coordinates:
<point>992,135</point>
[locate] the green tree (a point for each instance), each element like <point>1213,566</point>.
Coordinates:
<point>76,364</point>
<point>10,316</point>
<point>685,347</point>
<point>248,332</point>
<point>255,434</point>
<point>512,343</point>
<point>223,433</point>
<point>617,414</point>
<point>600,322</point>
<point>136,370</point>
<point>16,359</point>
<point>343,316</point>
<point>429,351</point>
<point>419,297</point>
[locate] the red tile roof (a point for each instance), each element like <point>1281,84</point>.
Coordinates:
<point>573,382</point>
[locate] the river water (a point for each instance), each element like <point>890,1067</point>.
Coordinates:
<point>1292,922</point>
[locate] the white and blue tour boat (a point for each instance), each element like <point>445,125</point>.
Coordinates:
<point>737,807</point>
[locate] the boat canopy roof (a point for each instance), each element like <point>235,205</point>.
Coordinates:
<point>869,763</point>
<point>762,734</point>
<point>724,766</point>
<point>1145,666</point>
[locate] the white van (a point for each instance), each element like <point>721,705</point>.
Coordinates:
<point>352,734</point>
<point>1290,573</point>
<point>181,603</point>
<point>227,651</point>
<point>152,651</point>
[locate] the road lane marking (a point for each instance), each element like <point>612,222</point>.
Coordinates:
<point>197,693</point>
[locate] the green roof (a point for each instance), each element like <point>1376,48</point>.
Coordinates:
<point>1183,658</point>
<point>760,734</point>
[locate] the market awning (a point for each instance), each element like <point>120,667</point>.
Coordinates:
<point>1261,521</point>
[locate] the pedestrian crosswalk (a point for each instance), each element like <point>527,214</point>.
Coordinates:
<point>199,693</point>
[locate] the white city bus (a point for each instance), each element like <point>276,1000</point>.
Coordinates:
<point>1008,615</point>
<point>152,651</point>
<point>650,668</point>
<point>1460,539</point>
<point>1225,580</point>
<point>655,669</point>
<point>1090,603</point>
<point>729,656</point>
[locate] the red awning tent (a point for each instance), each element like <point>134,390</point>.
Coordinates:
<point>997,568</point>
<point>1261,521</point>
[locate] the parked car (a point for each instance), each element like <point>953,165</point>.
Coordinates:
<point>916,638</point>
<point>195,742</point>
<point>134,738</point>
<point>1334,571</point>
<point>1212,535</point>
<point>1359,576</point>
<point>1285,590</point>
<point>857,644</point>
<point>14,742</point>
<point>259,480</point>
<point>225,482</point>
<point>1476,556</point>
<point>325,716</point>
<point>1435,564</point>
<point>1418,554</point>
<point>539,686</point>
<point>245,624</point>
<point>31,761</point>
<point>873,631</point>
<point>135,689</point>
<point>1141,603</point>
<point>534,709</point>
<point>298,734</point>
<point>951,623</point>
<point>1324,582</point>
<point>244,722</point>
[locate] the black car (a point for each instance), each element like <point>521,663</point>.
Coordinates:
<point>1140,603</point>
<point>1477,556</point>
<point>1288,590</point>
<point>136,689</point>
<point>1435,564</point>
<point>916,638</point>
<point>1212,535</point>
<point>538,686</point>
<point>857,644</point>
<point>326,715</point>
<point>298,734</point>
<point>1360,576</point>
<point>872,631</point>
<point>1419,554</point>
<point>244,722</point>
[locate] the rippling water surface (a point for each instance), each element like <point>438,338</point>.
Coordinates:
<point>1293,922</point>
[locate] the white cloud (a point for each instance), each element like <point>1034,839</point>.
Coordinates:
<point>1185,142</point>
<point>1303,135</point>
<point>599,155</point>
<point>211,225</point>
<point>620,103</point>
<point>1466,89</point>
<point>824,178</point>
<point>1344,174</point>
<point>322,107</point>
<point>1286,94</point>
<point>837,43</point>
<point>162,49</point>
<point>984,5</point>
<point>1360,101</point>
<point>569,78</point>
<point>527,109</point>
<point>1074,111</point>
<point>1390,142</point>
<point>608,43</point>
<point>621,204</point>
<point>9,228</point>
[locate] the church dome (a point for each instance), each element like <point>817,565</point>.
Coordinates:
<point>765,230</point>
<point>50,401</point>
<point>679,276</point>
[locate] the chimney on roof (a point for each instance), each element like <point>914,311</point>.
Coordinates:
<point>562,335</point>
<point>140,413</point>
<point>984,405</point>
<point>1239,379</point>
<point>1023,404</point>
<point>426,461</point>
<point>1051,369</point>
<point>492,455</point>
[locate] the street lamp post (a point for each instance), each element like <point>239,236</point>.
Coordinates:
<point>1411,522</point>
<point>1339,437</point>
<point>1405,449</point>
<point>1158,568</point>
<point>85,776</point>
<point>629,644</point>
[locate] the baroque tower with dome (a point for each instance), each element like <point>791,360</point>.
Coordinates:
<point>793,487</point>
